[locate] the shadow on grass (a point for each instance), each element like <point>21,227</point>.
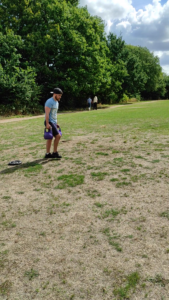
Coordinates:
<point>12,169</point>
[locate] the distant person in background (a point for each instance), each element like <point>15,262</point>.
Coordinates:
<point>89,103</point>
<point>95,101</point>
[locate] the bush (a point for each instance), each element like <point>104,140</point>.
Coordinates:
<point>19,92</point>
<point>124,99</point>
<point>113,98</point>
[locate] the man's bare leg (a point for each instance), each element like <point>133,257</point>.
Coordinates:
<point>56,142</point>
<point>48,145</point>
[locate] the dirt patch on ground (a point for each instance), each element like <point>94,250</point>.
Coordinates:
<point>93,225</point>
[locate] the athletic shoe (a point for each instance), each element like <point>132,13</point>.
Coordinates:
<point>56,155</point>
<point>49,155</point>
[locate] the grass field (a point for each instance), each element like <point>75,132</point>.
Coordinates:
<point>93,225</point>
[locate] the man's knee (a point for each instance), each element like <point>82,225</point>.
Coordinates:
<point>58,136</point>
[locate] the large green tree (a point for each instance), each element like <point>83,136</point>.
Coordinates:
<point>118,70</point>
<point>65,45</point>
<point>135,81</point>
<point>144,70</point>
<point>18,90</point>
<point>166,80</point>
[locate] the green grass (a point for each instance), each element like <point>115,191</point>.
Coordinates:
<point>131,281</point>
<point>5,287</point>
<point>93,193</point>
<point>119,159</point>
<point>116,245</point>
<point>115,151</point>
<point>8,224</point>
<point>6,197</point>
<point>99,175</point>
<point>158,279</point>
<point>125,170</point>
<point>112,239</point>
<point>33,170</point>
<point>97,204</point>
<point>31,274</point>
<point>110,213</point>
<point>155,161</point>
<point>101,153</point>
<point>3,259</point>
<point>153,118</point>
<point>114,179</point>
<point>165,214</point>
<point>71,180</point>
<point>122,184</point>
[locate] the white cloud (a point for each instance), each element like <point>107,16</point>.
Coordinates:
<point>146,27</point>
<point>108,9</point>
<point>125,24</point>
<point>109,24</point>
<point>164,60</point>
<point>165,69</point>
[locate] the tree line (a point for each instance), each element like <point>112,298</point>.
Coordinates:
<point>50,43</point>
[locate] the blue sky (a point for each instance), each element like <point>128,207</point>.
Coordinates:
<point>138,4</point>
<point>142,23</point>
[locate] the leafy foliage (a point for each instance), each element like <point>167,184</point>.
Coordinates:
<point>63,43</point>
<point>18,90</point>
<point>51,43</point>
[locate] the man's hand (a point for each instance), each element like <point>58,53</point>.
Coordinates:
<point>48,126</point>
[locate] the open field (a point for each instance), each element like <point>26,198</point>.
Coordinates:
<point>93,225</point>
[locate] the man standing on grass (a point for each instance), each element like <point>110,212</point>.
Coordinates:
<point>51,108</point>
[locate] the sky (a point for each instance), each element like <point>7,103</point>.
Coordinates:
<point>142,23</point>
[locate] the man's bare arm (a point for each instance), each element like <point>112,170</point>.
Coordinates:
<point>47,111</point>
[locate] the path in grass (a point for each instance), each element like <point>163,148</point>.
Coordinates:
<point>17,119</point>
<point>93,225</point>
